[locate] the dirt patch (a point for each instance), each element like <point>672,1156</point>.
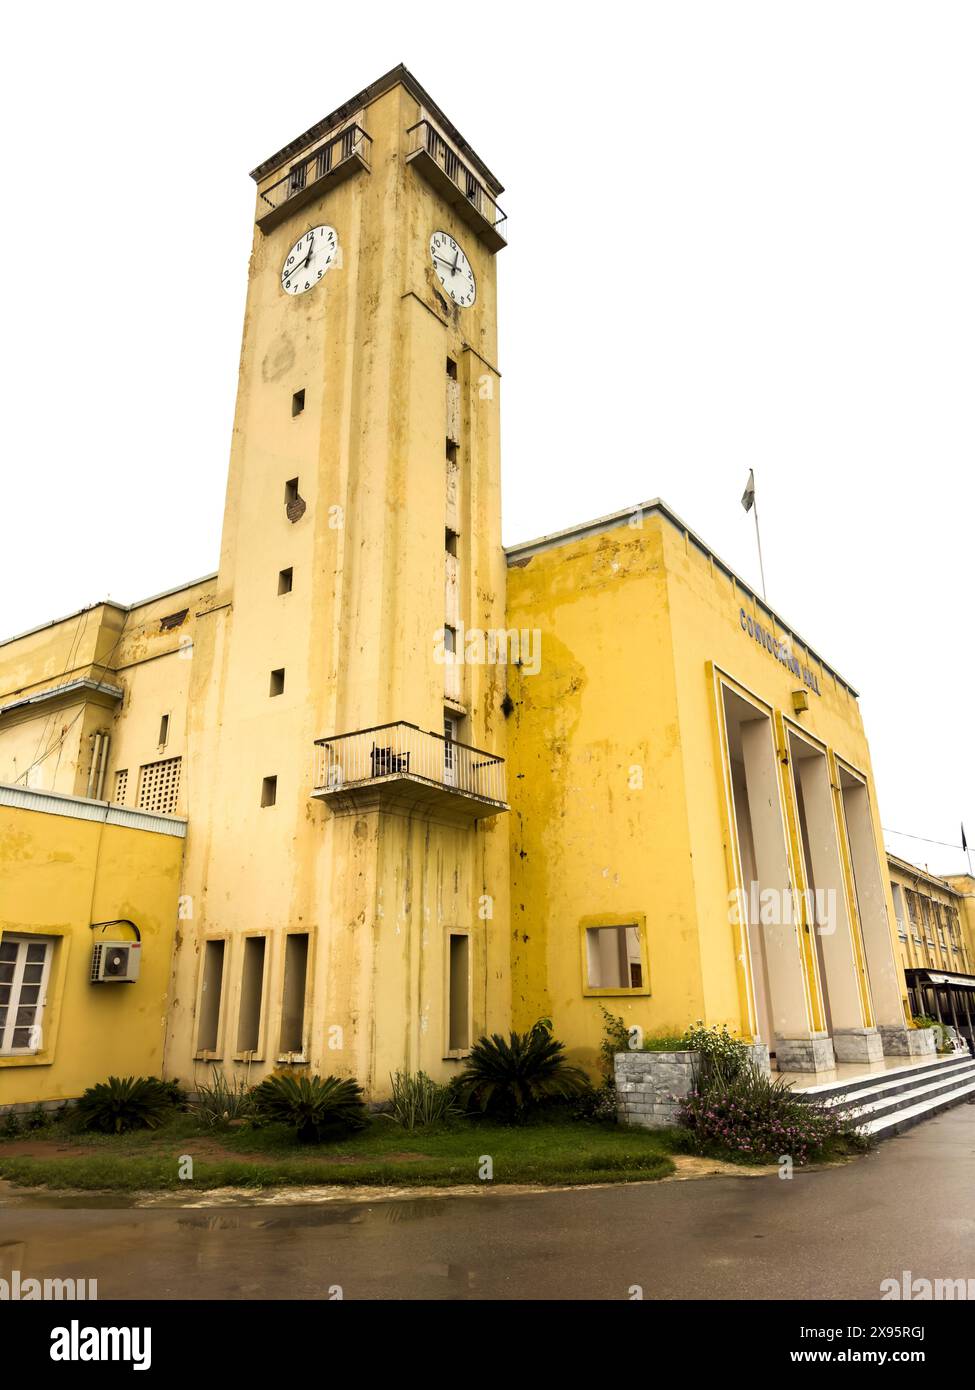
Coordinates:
<point>44,1148</point>
<point>691,1166</point>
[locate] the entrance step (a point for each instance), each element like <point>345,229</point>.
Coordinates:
<point>885,1103</point>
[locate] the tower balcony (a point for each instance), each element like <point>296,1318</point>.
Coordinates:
<point>400,768</point>
<point>337,159</point>
<point>442,167</point>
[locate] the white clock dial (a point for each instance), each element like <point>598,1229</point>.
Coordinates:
<point>453,269</point>
<point>308,260</point>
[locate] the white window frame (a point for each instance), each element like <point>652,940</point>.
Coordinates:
<point>22,941</point>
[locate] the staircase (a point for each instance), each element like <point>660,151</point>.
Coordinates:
<point>885,1103</point>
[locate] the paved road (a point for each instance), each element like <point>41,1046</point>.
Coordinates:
<point>834,1234</point>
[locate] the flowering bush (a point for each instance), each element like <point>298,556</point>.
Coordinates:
<point>721,1058</point>
<point>755,1118</point>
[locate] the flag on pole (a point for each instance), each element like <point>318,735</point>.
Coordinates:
<point>748,496</point>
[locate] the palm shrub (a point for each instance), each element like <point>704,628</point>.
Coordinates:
<point>418,1100</point>
<point>315,1107</point>
<point>509,1077</point>
<point>126,1102</point>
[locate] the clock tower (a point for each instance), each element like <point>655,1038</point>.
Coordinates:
<point>345,889</point>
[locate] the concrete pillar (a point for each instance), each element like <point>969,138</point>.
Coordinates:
<point>779,930</point>
<point>882,971</point>
<point>854,1039</point>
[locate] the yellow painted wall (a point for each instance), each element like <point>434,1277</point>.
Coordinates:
<point>59,875</point>
<point>618,804</point>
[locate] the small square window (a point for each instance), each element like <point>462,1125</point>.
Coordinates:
<point>277,682</point>
<point>298,402</point>
<point>451,369</point>
<point>450,541</point>
<point>285,581</point>
<point>614,958</point>
<point>269,791</point>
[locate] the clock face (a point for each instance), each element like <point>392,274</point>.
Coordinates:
<point>308,260</point>
<point>453,269</point>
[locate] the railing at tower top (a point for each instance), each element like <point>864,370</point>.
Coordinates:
<point>330,162</point>
<point>402,750</point>
<point>441,163</point>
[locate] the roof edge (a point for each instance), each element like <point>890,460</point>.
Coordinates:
<point>399,75</point>
<point>526,549</point>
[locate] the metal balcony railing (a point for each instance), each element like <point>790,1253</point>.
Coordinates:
<point>403,751</point>
<point>339,156</point>
<point>463,189</point>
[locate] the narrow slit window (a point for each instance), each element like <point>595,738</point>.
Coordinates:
<point>459,1026</point>
<point>269,791</point>
<point>210,992</point>
<point>251,995</point>
<point>291,492</point>
<point>298,402</point>
<point>451,369</point>
<point>293,1003</point>
<point>277,682</point>
<point>286,579</point>
<point>450,541</point>
<point>450,640</point>
<point>164,731</point>
<point>451,452</point>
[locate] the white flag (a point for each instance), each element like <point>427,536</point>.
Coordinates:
<point>748,496</point>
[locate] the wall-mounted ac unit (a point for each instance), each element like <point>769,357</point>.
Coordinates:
<point>115,962</point>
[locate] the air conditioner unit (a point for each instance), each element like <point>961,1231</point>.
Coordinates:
<point>115,962</point>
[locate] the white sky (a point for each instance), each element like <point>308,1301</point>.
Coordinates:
<point>742,235</point>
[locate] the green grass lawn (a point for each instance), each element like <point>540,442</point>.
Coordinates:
<point>384,1154</point>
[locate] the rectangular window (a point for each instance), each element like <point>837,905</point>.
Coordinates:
<point>159,786</point>
<point>451,369</point>
<point>293,1004</point>
<point>298,402</point>
<point>269,791</point>
<point>277,682</point>
<point>291,492</point>
<point>25,963</point>
<point>450,640</point>
<point>450,541</point>
<point>613,958</point>
<point>458,993</point>
<point>285,580</point>
<point>210,993</point>
<point>251,995</point>
<point>451,453</point>
<point>898,896</point>
<point>164,731</point>
<point>121,785</point>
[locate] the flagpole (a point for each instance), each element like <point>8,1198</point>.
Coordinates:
<point>758,537</point>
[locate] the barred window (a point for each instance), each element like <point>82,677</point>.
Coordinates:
<point>159,786</point>
<point>24,965</point>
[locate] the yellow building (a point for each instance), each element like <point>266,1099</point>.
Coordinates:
<point>694,824</point>
<point>936,934</point>
<point>88,911</point>
<point>342,714</point>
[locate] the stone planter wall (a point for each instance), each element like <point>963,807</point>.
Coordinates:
<point>646,1084</point>
<point>909,1042</point>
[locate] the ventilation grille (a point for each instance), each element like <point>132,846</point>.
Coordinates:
<point>159,786</point>
<point>121,785</point>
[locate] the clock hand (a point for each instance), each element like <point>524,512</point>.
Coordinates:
<point>453,268</point>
